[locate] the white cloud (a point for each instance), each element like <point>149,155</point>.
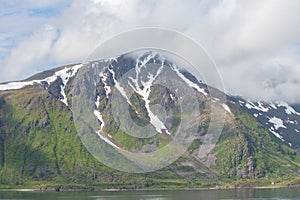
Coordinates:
<point>255,44</point>
<point>32,51</point>
<point>259,26</point>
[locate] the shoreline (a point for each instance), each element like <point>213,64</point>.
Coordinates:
<point>139,189</point>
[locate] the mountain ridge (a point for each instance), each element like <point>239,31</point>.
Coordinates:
<point>46,103</point>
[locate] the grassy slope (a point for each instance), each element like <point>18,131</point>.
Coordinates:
<point>39,146</point>
<point>250,151</point>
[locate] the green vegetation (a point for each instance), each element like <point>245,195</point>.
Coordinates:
<point>249,151</point>
<point>40,148</point>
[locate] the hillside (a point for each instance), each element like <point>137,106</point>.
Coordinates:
<point>40,144</point>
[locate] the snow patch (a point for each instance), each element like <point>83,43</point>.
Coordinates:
<point>97,103</point>
<point>277,122</point>
<point>259,107</point>
<point>289,121</point>
<point>113,59</point>
<point>276,134</point>
<point>15,85</point>
<point>107,140</point>
<point>272,105</point>
<point>148,58</point>
<point>118,86</point>
<point>226,107</point>
<point>62,92</point>
<point>145,91</point>
<point>104,78</point>
<point>172,96</point>
<point>190,83</point>
<point>289,110</point>
<point>65,75</point>
<point>99,117</point>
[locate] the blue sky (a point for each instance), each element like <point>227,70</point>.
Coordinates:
<point>255,44</point>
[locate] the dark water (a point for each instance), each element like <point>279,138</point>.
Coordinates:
<point>253,194</point>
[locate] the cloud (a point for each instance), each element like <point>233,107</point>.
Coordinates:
<point>255,44</point>
<point>31,51</point>
<point>260,44</point>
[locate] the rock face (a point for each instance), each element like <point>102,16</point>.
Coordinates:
<point>39,141</point>
<point>278,117</point>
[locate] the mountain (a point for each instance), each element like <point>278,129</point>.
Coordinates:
<point>41,143</point>
<point>280,118</point>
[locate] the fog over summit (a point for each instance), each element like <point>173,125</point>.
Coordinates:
<point>254,44</point>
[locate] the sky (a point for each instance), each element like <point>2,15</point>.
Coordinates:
<point>255,44</point>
